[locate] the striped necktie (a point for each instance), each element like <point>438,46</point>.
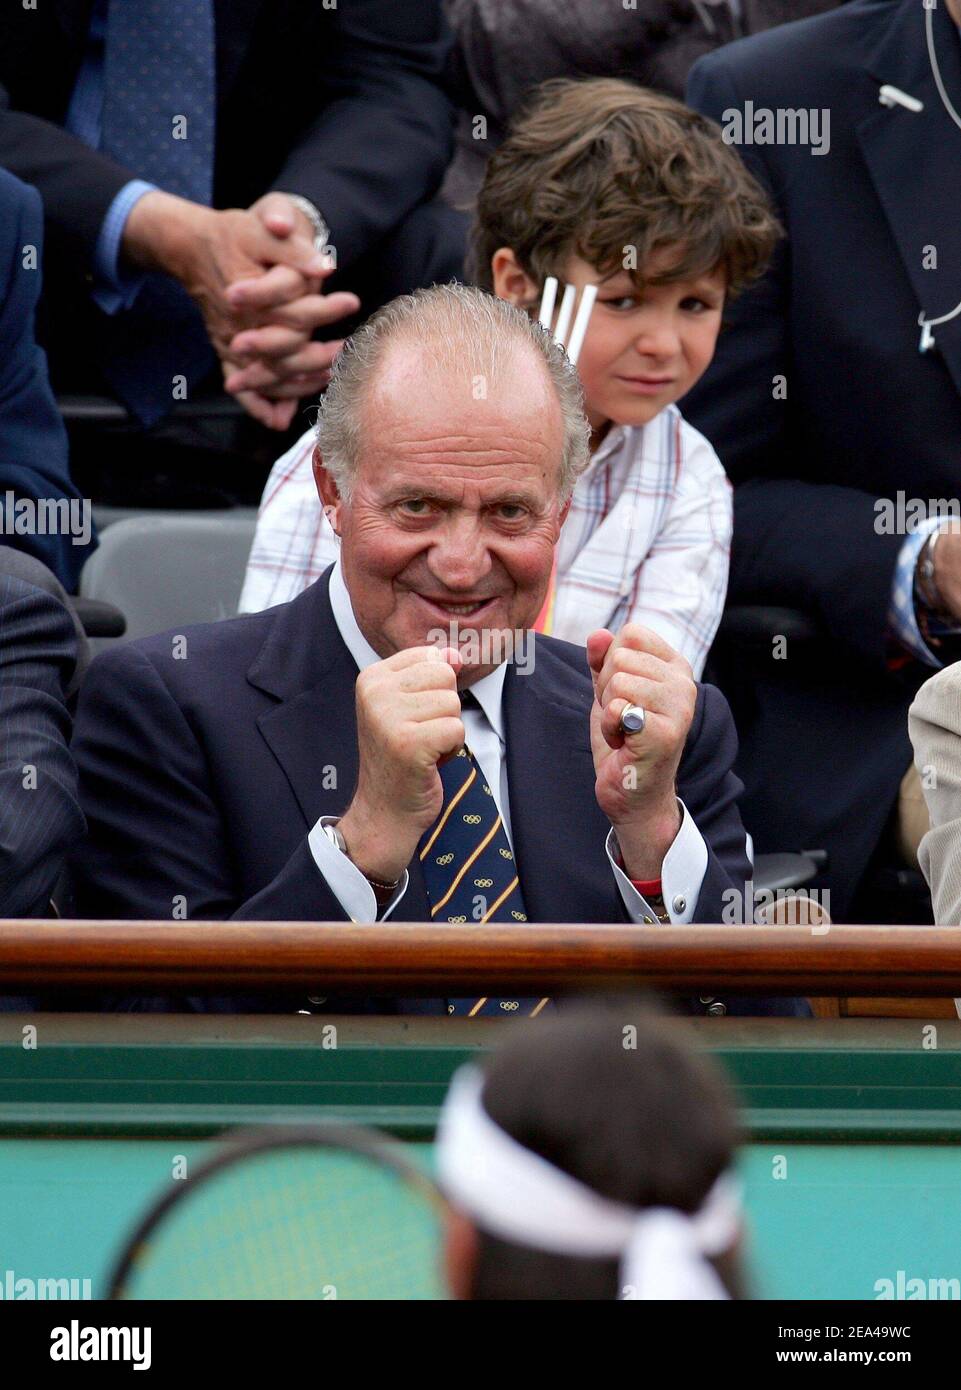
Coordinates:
<point>469,869</point>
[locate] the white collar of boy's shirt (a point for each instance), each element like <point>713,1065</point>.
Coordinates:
<point>618,437</point>
<point>628,437</point>
<point>488,691</point>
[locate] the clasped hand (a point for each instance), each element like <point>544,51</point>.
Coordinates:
<point>258,282</point>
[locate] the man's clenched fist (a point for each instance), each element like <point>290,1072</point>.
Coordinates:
<point>408,721</point>
<point>636,773</point>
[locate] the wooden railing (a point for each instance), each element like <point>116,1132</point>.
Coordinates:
<point>417,959</point>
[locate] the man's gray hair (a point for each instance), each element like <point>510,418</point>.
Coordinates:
<point>457,326</point>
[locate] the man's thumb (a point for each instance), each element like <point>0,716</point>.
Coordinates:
<point>598,645</point>
<point>277,214</point>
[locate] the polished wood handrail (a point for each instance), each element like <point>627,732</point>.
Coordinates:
<point>425,959</point>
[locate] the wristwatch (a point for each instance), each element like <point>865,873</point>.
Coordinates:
<point>321,230</point>
<point>336,838</point>
<point>927,587</point>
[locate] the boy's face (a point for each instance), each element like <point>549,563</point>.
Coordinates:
<point>644,348</point>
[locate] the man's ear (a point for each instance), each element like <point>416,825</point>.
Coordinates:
<point>564,510</point>
<point>330,497</point>
<point>511,281</point>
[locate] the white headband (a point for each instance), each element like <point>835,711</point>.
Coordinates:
<point>516,1195</point>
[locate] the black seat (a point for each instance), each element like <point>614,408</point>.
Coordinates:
<point>891,891</point>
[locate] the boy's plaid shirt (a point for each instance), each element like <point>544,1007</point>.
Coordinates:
<point>647,539</point>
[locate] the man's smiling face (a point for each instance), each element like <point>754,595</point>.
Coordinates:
<point>454,510</point>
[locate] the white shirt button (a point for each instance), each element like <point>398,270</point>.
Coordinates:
<point>679,904</point>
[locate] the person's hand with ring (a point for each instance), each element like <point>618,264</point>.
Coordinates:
<point>636,771</point>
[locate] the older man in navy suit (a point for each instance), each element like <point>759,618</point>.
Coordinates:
<point>388,743</point>
<point>834,402</point>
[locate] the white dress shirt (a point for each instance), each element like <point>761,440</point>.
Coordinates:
<point>684,866</point>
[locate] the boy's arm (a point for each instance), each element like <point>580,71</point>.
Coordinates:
<point>681,582</point>
<point>281,560</point>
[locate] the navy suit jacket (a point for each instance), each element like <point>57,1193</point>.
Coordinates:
<point>824,739</point>
<point>202,774</point>
<point>33,442</point>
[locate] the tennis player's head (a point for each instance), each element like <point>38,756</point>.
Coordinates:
<point>601,181</point>
<point>448,444</point>
<point>591,1159</point>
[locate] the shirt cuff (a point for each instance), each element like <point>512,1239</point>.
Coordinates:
<point>902,617</point>
<point>682,874</point>
<point>116,288</point>
<point>346,881</point>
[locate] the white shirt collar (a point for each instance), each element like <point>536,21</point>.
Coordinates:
<point>627,437</point>
<point>488,691</point>
<point>618,437</point>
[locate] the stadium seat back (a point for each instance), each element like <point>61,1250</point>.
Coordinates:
<point>170,571</point>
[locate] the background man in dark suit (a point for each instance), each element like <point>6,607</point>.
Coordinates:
<point>248,771</point>
<point>33,442</point>
<point>823,410</point>
<point>40,818</point>
<point>149,128</point>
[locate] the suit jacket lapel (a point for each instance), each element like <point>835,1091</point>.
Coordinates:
<point>914,161</point>
<point>557,831</point>
<point>312,731</point>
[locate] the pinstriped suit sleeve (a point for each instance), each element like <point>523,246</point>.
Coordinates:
<point>40,817</point>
